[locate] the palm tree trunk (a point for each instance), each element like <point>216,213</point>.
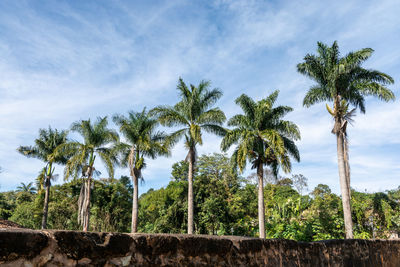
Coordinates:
<point>346,160</point>
<point>86,218</point>
<point>46,203</point>
<point>190,191</point>
<point>261,211</point>
<point>344,186</point>
<point>135,204</point>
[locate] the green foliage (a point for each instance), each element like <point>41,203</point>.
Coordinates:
<point>142,140</point>
<point>193,114</point>
<point>164,210</point>
<point>343,76</point>
<point>27,214</point>
<point>111,205</point>
<point>225,204</point>
<point>180,171</point>
<point>45,146</point>
<point>6,206</point>
<point>262,137</point>
<point>112,199</point>
<point>96,140</point>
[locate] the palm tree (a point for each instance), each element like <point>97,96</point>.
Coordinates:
<point>27,188</point>
<point>342,81</point>
<point>44,149</point>
<point>193,114</point>
<point>141,141</point>
<point>97,139</point>
<point>262,138</point>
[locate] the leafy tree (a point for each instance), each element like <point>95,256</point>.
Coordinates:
<point>63,212</point>
<point>193,114</point>
<point>285,211</point>
<point>262,138</point>
<point>139,130</point>
<point>243,210</point>
<point>44,149</point>
<point>6,209</point>
<point>111,200</point>
<point>180,171</point>
<point>26,214</point>
<point>97,139</point>
<point>215,185</point>
<point>164,210</point>
<point>325,214</point>
<point>343,81</point>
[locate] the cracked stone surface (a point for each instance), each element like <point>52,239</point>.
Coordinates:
<point>22,247</point>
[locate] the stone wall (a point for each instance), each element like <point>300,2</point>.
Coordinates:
<point>72,248</point>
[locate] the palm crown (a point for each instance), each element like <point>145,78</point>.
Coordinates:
<point>193,113</point>
<point>96,140</point>
<point>45,150</point>
<point>142,140</point>
<point>343,78</point>
<point>261,134</point>
<point>46,145</point>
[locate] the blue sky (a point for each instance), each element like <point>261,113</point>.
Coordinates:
<point>62,61</point>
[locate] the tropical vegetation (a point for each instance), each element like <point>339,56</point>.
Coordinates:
<point>209,194</point>
<point>225,203</point>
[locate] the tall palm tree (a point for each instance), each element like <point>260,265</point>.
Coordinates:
<point>44,149</point>
<point>97,141</point>
<point>263,139</point>
<point>27,188</point>
<point>193,114</point>
<point>343,81</point>
<point>142,140</point>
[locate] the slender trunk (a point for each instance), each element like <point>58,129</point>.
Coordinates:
<point>261,211</point>
<point>135,176</point>
<point>346,160</point>
<point>344,186</point>
<point>190,192</point>
<point>46,203</point>
<point>135,204</point>
<point>86,219</point>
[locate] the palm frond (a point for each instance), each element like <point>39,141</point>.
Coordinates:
<point>169,116</point>
<point>215,129</point>
<point>247,104</point>
<point>231,137</point>
<point>214,115</point>
<point>262,137</point>
<point>315,95</point>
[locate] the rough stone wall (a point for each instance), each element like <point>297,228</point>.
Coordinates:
<point>72,248</point>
